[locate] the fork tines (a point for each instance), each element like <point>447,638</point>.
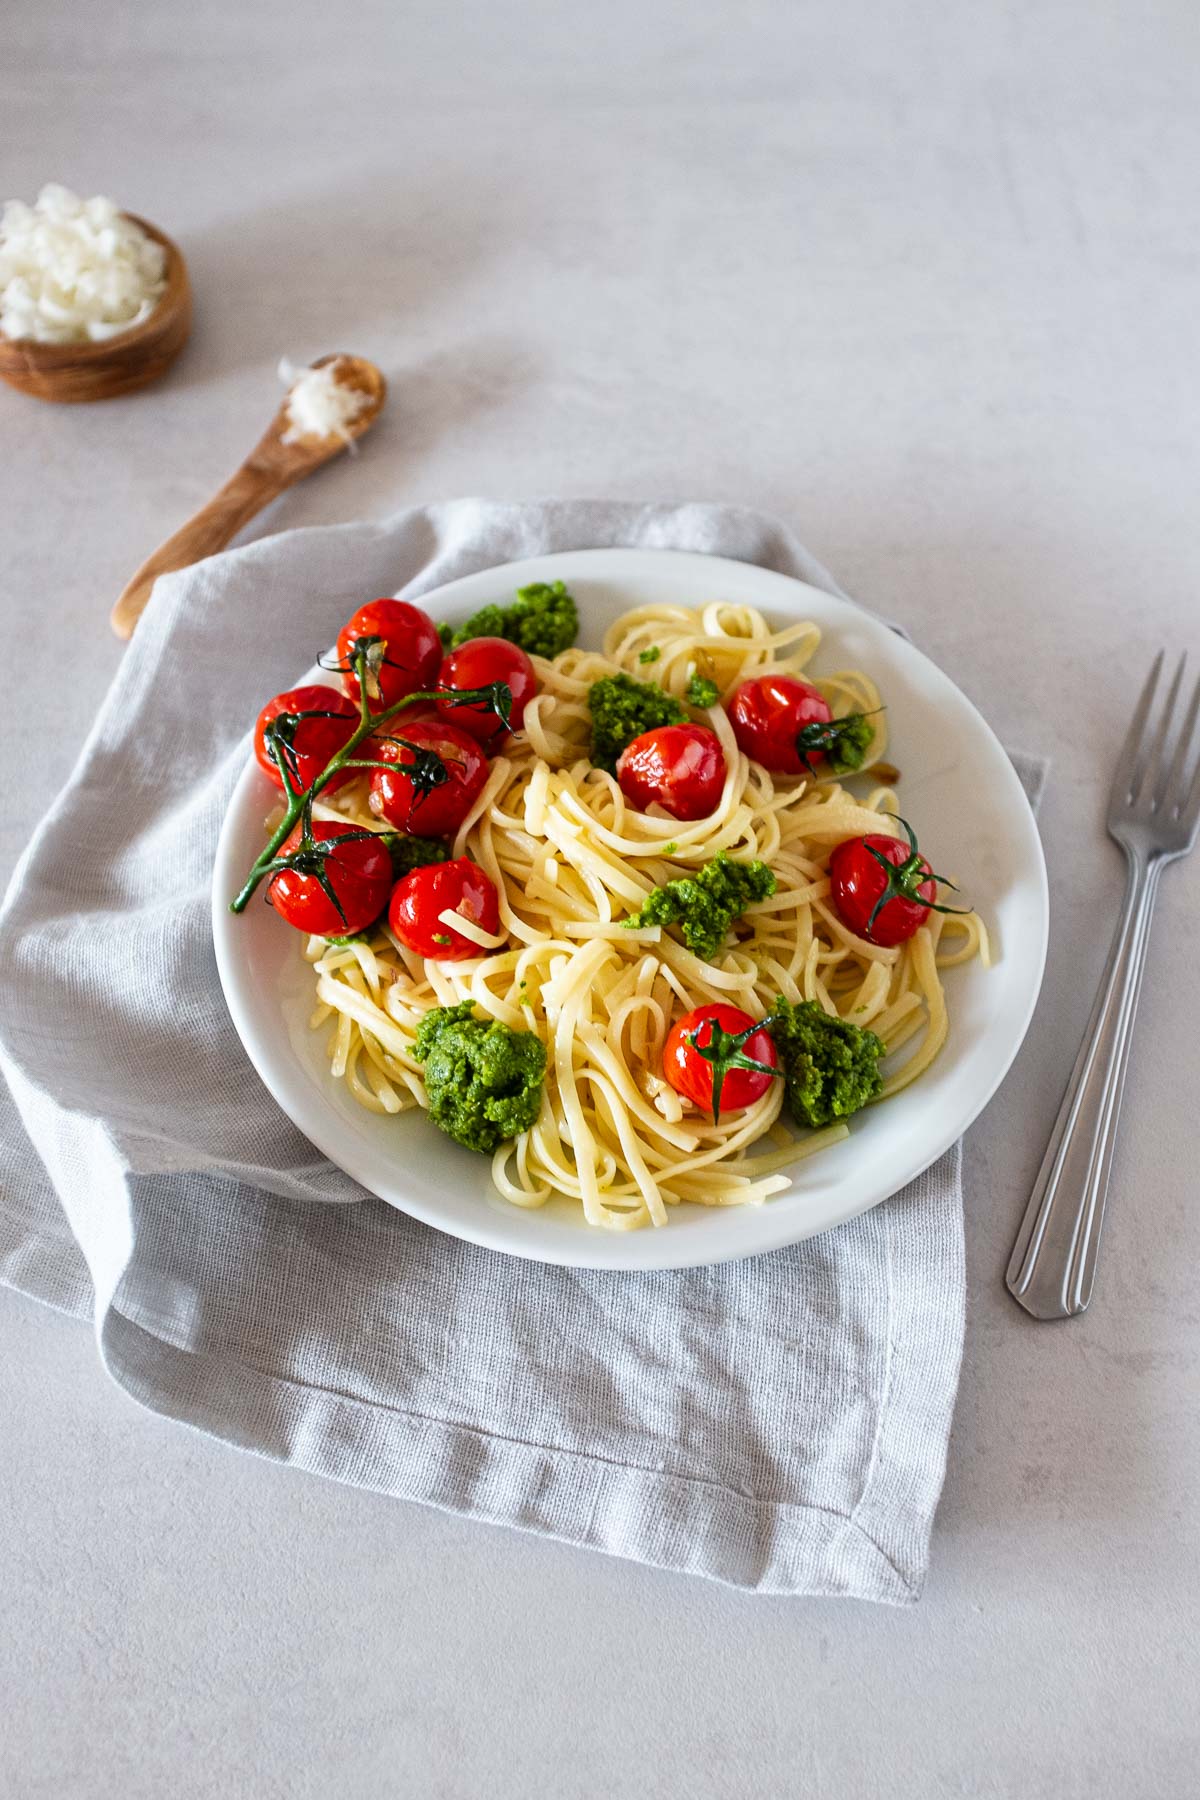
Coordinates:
<point>1158,777</point>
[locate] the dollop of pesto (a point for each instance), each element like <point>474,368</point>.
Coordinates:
<point>855,736</point>
<point>543,619</point>
<point>700,691</point>
<point>621,710</point>
<point>704,905</point>
<point>830,1066</point>
<point>409,853</point>
<point>844,742</point>
<point>483,1079</point>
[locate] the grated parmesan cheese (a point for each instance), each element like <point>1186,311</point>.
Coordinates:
<point>318,404</point>
<point>74,271</point>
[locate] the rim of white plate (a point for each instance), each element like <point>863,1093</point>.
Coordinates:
<point>995,852</point>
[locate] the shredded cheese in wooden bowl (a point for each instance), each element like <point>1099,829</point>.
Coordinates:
<point>75,271</point>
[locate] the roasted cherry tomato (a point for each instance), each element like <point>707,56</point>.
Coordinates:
<point>411,796</point>
<point>883,888</point>
<point>420,899</point>
<point>404,651</point>
<point>476,664</point>
<point>680,766</point>
<point>768,714</point>
<point>309,743</point>
<point>720,1058</point>
<point>333,888</point>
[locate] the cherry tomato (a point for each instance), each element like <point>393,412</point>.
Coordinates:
<point>406,659</point>
<point>767,715</point>
<point>859,882</point>
<point>476,664</point>
<point>727,1084</point>
<point>412,804</point>
<point>359,872</point>
<point>420,899</point>
<point>309,745</point>
<point>680,766</point>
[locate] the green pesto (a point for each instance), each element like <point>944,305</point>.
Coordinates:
<point>856,734</point>
<point>700,691</point>
<point>483,1079</point>
<point>831,1067</point>
<point>409,853</point>
<point>844,741</point>
<point>650,655</point>
<point>704,905</point>
<point>543,619</point>
<point>621,710</point>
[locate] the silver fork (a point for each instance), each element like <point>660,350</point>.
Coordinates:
<point>1153,812</point>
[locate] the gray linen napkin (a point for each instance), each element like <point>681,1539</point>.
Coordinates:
<point>779,1423</point>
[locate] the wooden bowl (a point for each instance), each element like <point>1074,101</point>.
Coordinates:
<point>117,365</point>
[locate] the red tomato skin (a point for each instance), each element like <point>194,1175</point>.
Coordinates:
<point>691,1076</point>
<point>680,766</point>
<point>856,882</point>
<point>417,900</point>
<point>316,740</point>
<point>474,665</point>
<point>360,875</point>
<point>441,811</point>
<point>413,655</point>
<point>768,712</point>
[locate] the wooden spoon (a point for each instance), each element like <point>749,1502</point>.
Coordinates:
<point>270,467</point>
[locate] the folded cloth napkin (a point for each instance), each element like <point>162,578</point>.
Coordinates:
<point>779,1423</point>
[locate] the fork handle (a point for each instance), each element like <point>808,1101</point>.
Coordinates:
<point>1053,1262</point>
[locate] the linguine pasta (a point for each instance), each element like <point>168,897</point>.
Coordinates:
<point>571,859</point>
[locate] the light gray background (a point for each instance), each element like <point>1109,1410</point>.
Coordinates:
<point>925,280</point>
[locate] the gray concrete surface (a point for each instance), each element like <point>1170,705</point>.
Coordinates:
<point>925,281</point>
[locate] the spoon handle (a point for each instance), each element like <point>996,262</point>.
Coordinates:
<point>257,482</point>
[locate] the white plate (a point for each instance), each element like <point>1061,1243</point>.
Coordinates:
<point>962,794</point>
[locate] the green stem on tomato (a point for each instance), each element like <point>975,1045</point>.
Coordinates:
<point>904,881</point>
<point>725,1050</point>
<point>498,693</point>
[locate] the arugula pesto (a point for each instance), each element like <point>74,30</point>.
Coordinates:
<point>844,741</point>
<point>543,620</point>
<point>409,853</point>
<point>830,1066</point>
<point>483,1079</point>
<point>704,905</point>
<point>622,709</point>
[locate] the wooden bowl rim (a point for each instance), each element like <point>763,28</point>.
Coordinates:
<point>48,357</point>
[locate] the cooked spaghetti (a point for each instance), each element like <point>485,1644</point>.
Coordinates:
<point>571,860</point>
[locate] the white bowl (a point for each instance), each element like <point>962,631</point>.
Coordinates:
<point>962,794</point>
